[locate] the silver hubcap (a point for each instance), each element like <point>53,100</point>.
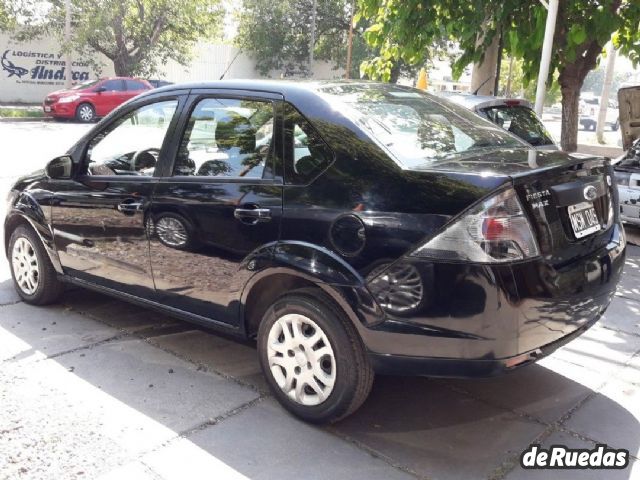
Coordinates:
<point>25,266</point>
<point>301,359</point>
<point>171,231</point>
<point>86,113</point>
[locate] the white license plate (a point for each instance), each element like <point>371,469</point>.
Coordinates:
<point>47,109</point>
<point>584,219</point>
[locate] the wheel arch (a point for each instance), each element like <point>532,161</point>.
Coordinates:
<point>26,211</point>
<point>264,288</point>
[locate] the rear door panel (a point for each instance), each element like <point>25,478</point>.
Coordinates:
<point>206,277</point>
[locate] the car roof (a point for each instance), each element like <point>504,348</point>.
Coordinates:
<point>475,102</point>
<point>283,87</point>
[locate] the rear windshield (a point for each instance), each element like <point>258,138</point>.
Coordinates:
<point>415,127</point>
<point>521,121</point>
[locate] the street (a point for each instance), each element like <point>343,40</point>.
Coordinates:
<point>99,388</point>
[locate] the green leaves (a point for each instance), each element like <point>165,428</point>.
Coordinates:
<point>577,34</point>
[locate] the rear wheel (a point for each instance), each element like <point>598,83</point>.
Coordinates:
<point>34,277</point>
<point>313,358</point>
<point>85,113</point>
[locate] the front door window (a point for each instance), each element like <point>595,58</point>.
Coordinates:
<point>132,145</point>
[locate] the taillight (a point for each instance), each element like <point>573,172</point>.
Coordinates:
<point>493,231</point>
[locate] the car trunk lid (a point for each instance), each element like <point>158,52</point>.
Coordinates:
<point>551,186</point>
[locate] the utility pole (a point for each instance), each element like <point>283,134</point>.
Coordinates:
<point>350,40</point>
<point>312,40</point>
<point>67,41</point>
<point>606,88</point>
<point>545,59</point>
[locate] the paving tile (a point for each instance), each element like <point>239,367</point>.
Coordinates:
<point>611,417</point>
<point>630,373</point>
<point>8,294</point>
<point>219,354</point>
<point>623,313</point>
<point>156,383</point>
<point>563,438</point>
<point>34,332</point>
<point>183,459</point>
<point>130,471</point>
<point>265,442</point>
<point>535,390</point>
<point>600,349</point>
<point>435,431</point>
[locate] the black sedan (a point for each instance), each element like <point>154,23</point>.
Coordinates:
<point>351,228</point>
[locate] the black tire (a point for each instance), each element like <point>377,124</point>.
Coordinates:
<point>85,113</point>
<point>353,373</point>
<point>615,126</point>
<point>49,287</point>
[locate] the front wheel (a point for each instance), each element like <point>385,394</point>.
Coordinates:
<point>313,358</point>
<point>34,277</point>
<point>85,113</point>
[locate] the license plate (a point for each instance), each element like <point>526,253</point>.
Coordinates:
<point>47,109</point>
<point>584,220</point>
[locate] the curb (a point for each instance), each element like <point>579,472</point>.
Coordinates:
<point>25,119</point>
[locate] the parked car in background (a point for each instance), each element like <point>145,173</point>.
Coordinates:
<point>589,109</point>
<point>627,167</point>
<point>93,99</point>
<point>351,228</point>
<point>513,114</point>
<point>159,83</point>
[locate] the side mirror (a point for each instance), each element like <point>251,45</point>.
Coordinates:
<point>59,168</point>
<point>100,90</point>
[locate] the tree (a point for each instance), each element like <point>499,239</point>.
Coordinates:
<point>7,17</point>
<point>136,35</point>
<point>403,31</point>
<point>277,33</point>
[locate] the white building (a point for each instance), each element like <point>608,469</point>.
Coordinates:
<point>31,70</point>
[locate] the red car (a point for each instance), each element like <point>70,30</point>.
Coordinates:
<point>96,98</point>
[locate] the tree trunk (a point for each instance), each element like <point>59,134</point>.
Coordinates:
<point>570,111</point>
<point>123,65</point>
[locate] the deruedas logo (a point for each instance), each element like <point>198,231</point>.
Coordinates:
<point>562,457</point>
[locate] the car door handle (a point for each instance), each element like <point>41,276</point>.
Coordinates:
<point>252,216</point>
<point>129,208</point>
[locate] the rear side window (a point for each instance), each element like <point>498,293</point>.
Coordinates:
<point>135,85</point>
<point>307,154</point>
<point>114,85</point>
<point>228,138</point>
<point>521,121</point>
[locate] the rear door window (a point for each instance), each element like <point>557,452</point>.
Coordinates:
<point>227,137</point>
<point>114,86</point>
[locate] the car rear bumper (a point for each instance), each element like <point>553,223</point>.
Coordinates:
<point>484,320</point>
<point>467,368</point>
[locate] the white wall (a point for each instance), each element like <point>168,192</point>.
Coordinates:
<point>211,60</point>
<point>31,70</point>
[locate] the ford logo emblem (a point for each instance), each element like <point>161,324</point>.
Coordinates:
<point>590,192</point>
